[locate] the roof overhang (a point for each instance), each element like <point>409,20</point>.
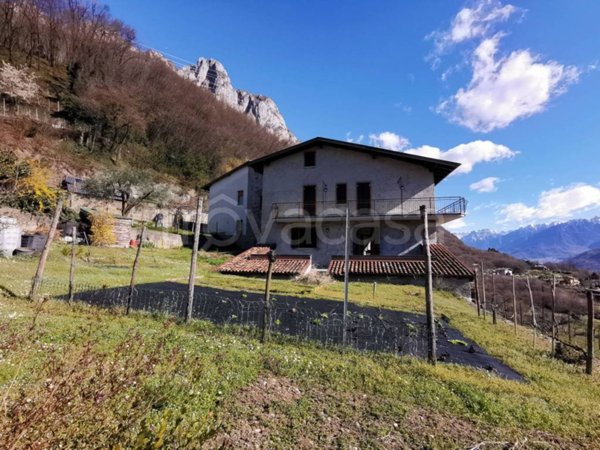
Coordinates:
<point>440,168</point>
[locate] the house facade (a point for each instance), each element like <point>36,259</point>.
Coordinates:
<point>296,201</point>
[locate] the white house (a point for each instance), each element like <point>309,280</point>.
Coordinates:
<point>295,200</point>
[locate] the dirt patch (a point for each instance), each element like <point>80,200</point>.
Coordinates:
<point>269,389</point>
<point>424,426</point>
<point>275,412</point>
<point>248,418</point>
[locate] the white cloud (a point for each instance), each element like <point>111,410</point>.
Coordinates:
<point>357,140</point>
<point>470,23</point>
<point>503,90</point>
<point>486,185</point>
<point>455,224</point>
<point>468,155</point>
<point>388,140</point>
<point>558,203</point>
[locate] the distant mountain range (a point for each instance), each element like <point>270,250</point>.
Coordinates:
<point>577,241</point>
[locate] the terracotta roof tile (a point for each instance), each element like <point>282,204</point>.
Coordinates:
<point>255,261</point>
<point>444,264</point>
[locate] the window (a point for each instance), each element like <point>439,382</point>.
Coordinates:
<point>303,237</point>
<point>341,194</point>
<point>309,196</point>
<point>240,198</point>
<point>310,159</point>
<point>363,197</point>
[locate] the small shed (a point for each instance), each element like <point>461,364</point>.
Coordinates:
<point>10,236</point>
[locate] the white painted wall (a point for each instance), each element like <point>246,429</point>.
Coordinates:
<point>223,210</point>
<point>10,236</point>
<point>283,179</point>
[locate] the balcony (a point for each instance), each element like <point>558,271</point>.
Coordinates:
<point>443,207</point>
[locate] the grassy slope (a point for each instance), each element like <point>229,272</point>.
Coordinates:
<point>186,381</point>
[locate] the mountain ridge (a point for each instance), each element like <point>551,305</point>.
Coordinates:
<point>210,74</point>
<point>589,260</point>
<point>556,241</point>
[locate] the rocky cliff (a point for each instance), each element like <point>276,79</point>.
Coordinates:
<point>210,74</point>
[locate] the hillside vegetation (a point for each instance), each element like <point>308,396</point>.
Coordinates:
<point>568,300</point>
<point>589,260</point>
<point>119,103</point>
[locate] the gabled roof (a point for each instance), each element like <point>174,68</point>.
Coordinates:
<point>440,168</point>
<point>255,261</point>
<point>444,264</point>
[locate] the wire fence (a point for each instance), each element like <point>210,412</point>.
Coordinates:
<point>568,323</point>
<point>370,330</point>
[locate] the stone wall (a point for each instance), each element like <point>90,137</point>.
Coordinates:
<point>159,239</point>
<point>145,212</point>
<point>29,223</point>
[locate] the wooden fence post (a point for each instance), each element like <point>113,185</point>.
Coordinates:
<point>431,347</point>
<point>533,319</point>
<point>569,331</point>
<point>514,304</point>
<point>72,266</point>
<point>477,291</point>
<point>267,307</point>
<point>590,333</point>
<point>483,298</point>
<point>190,303</point>
<point>493,299</point>
<point>134,269</point>
<point>39,273</point>
<point>553,317</point>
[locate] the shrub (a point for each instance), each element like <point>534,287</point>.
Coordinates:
<point>25,184</point>
<point>33,191</point>
<point>102,229</point>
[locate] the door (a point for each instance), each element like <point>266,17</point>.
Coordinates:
<point>363,198</point>
<point>310,200</point>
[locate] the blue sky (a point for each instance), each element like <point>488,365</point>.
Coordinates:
<point>510,89</point>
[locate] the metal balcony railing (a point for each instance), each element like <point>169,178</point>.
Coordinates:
<point>371,208</point>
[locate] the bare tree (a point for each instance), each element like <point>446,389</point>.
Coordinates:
<point>17,83</point>
<point>130,187</point>
<point>120,97</point>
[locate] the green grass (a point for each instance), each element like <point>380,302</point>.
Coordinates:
<point>77,376</point>
<point>104,266</point>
